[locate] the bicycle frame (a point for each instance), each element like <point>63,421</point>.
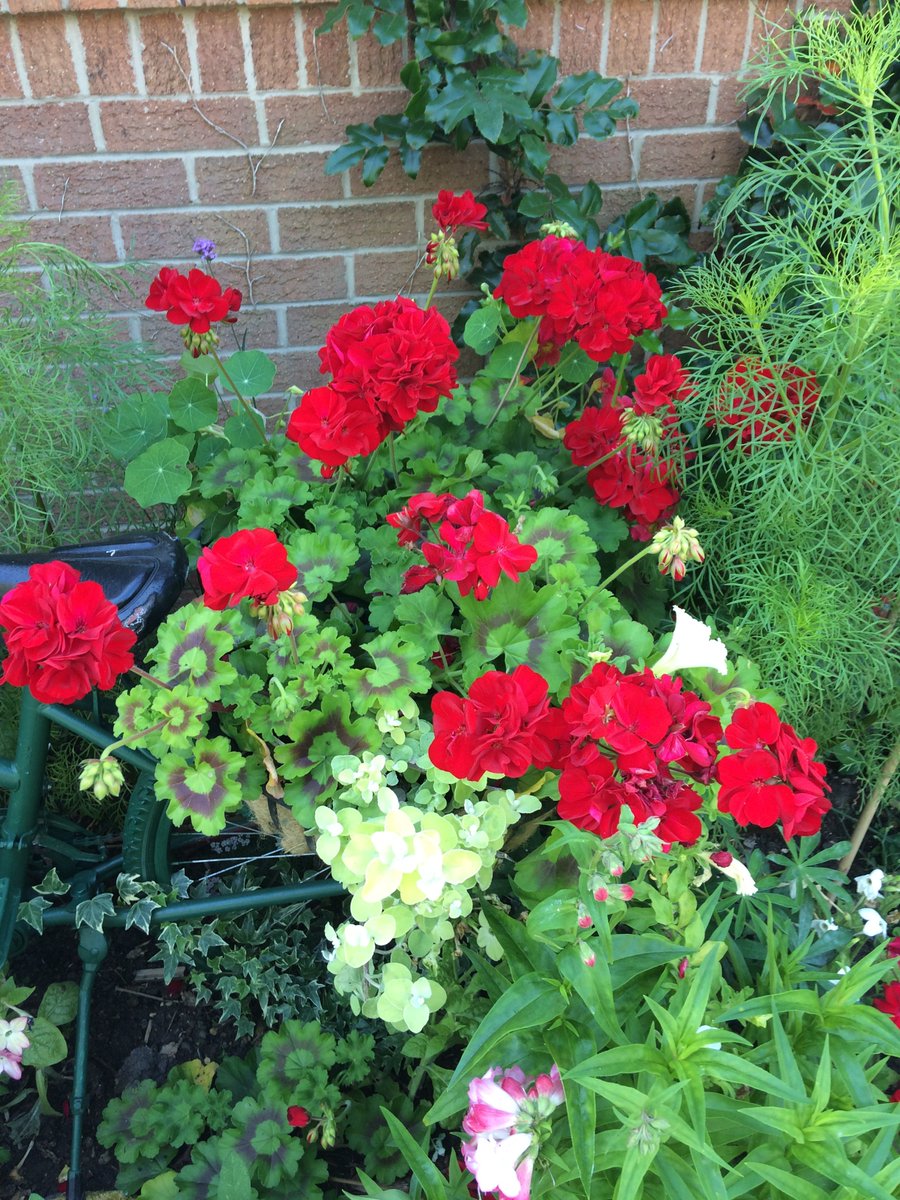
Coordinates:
<point>23,778</point>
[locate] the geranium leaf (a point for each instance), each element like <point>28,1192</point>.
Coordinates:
<point>203,789</point>
<point>322,560</point>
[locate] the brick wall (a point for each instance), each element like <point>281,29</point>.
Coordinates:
<point>133,127</point>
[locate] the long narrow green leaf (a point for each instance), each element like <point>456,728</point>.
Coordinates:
<point>430,1179</point>
<point>581,1104</point>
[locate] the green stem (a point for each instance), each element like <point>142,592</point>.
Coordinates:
<point>151,678</point>
<point>392,450</point>
<point>649,549</point>
<point>434,282</point>
<point>515,376</point>
<point>248,407</point>
<point>132,737</point>
<point>884,211</point>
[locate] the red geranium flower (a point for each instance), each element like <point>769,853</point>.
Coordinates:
<point>892,949</point>
<point>333,428</point>
<point>298,1118</point>
<point>764,403</point>
<point>252,562</point>
<point>596,433</point>
<point>496,727</point>
<point>63,635</point>
<point>455,212</point>
<point>890,1002</point>
<point>195,299</point>
<point>772,776</point>
<point>662,382</point>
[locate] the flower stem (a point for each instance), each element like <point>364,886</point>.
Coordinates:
<point>887,773</point>
<point>514,378</point>
<point>434,282</point>
<point>152,678</point>
<point>392,450</point>
<point>248,407</point>
<point>651,549</point>
<point>132,737</point>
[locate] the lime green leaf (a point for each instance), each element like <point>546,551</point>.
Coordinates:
<point>136,423</point>
<point>250,372</point>
<point>159,475</point>
<point>192,404</point>
<point>48,1046</point>
<point>60,1003</point>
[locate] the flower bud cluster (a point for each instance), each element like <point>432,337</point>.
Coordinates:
<point>676,546</point>
<point>102,776</point>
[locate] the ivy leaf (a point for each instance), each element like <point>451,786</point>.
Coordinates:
<point>250,371</point>
<point>192,404</point>
<point>139,914</point>
<point>93,912</point>
<point>159,475</point>
<point>52,885</point>
<point>32,912</point>
<point>136,423</point>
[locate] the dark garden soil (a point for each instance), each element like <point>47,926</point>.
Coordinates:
<point>138,1031</point>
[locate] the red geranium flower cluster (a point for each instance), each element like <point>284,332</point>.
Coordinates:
<point>890,1003</point>
<point>501,726</point>
<point>251,562</point>
<point>196,299</point>
<point>764,404</point>
<point>388,363</point>
<point>601,301</point>
<point>63,635</point>
<point>630,439</point>
<point>651,727</point>
<point>773,776</point>
<point>476,546</point>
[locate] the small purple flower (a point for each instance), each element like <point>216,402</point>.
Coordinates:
<point>206,249</point>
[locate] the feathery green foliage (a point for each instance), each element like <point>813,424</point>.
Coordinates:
<point>802,533</point>
<point>62,367</point>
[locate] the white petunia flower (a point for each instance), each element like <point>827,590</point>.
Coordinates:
<point>869,886</point>
<point>874,923</point>
<point>692,645</point>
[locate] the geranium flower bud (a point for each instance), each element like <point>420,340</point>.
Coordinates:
<point>199,343</point>
<point>560,229</point>
<point>676,546</point>
<point>441,254</point>
<point>642,430</point>
<point>103,776</point>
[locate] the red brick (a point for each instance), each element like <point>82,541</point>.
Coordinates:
<point>90,5</point>
<point>628,52</point>
<point>137,125</point>
<point>297,368</point>
<point>274,45</point>
<point>726,32</point>
<point>160,30</point>
<point>348,227</point>
<point>383,273</point>
<point>107,53</point>
<point>322,119</point>
<point>670,102</point>
<point>48,59</point>
<point>690,155</point>
<point>616,201</point>
<point>379,66</point>
<point>538,32</point>
<point>10,86</point>
<point>328,54</point>
<point>442,167</point>
<point>603,162</point>
<point>676,36</point>
<point>34,6</point>
<point>281,178</point>
<point>293,280</point>
<point>220,51</point>
<point>728,107</point>
<point>140,183</point>
<point>581,35</point>
<point>167,236</point>
<point>47,129</point>
<point>308,324</point>
<point>91,237</point>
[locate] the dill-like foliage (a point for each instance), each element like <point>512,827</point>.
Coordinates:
<point>63,365</point>
<point>803,534</point>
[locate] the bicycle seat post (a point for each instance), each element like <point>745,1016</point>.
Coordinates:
<point>92,948</point>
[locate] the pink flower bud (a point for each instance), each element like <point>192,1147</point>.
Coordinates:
<point>601,894</point>
<point>616,870</point>
<point>721,858</point>
<point>588,957</point>
<point>584,921</point>
<point>682,968</point>
<point>626,892</point>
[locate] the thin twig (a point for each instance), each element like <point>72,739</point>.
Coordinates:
<point>248,257</point>
<point>62,203</point>
<point>255,163</point>
<point>887,773</point>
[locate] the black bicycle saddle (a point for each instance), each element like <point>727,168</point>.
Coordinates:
<point>141,573</point>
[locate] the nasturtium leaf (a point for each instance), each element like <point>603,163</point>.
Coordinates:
<point>159,475</point>
<point>136,423</point>
<point>192,405</point>
<point>250,372</point>
<point>481,328</point>
<point>203,367</point>
<point>203,790</point>
<point>242,430</point>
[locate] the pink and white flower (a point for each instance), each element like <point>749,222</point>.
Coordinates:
<point>13,1044</point>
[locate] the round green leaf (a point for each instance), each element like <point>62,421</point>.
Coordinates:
<point>159,475</point>
<point>249,371</point>
<point>48,1046</point>
<point>192,404</point>
<point>136,423</point>
<point>60,1003</point>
